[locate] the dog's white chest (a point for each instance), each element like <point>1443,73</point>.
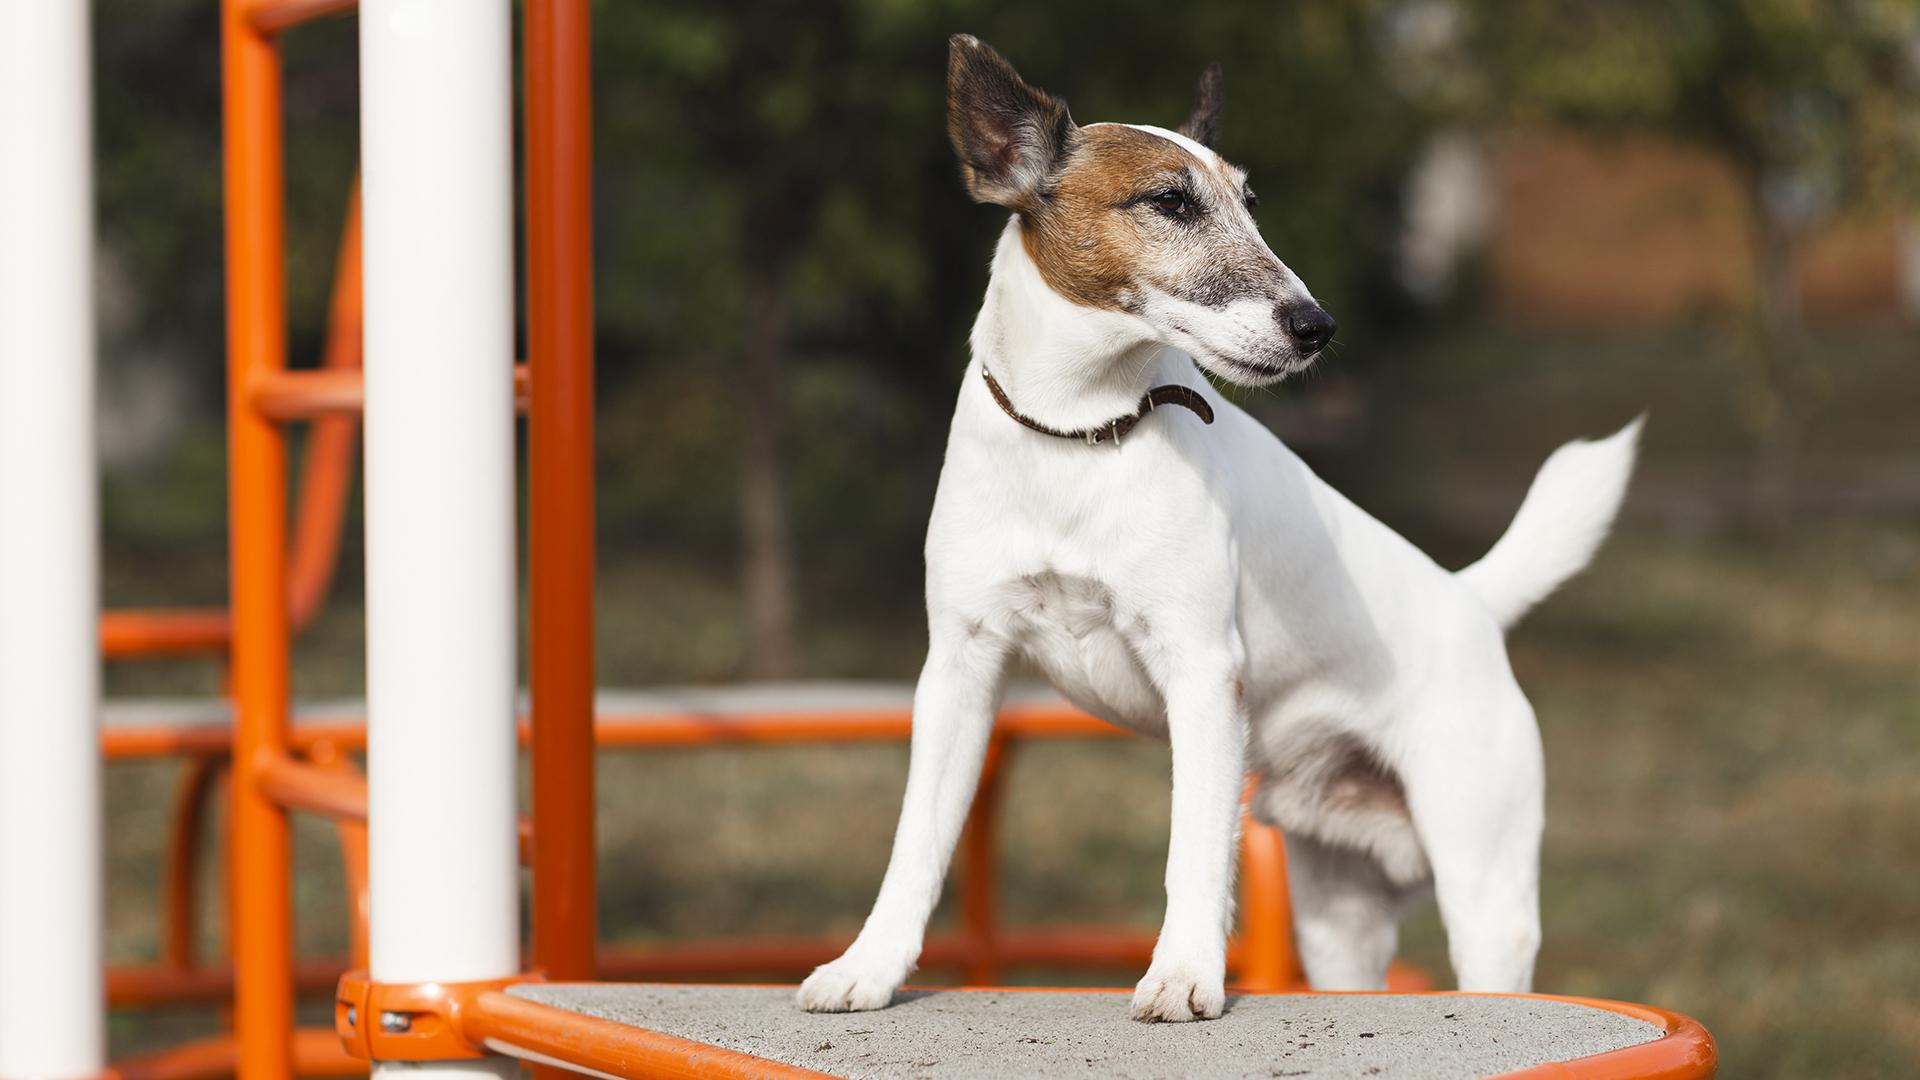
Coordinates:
<point>1083,638</point>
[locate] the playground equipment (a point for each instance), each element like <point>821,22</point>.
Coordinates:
<point>433,836</point>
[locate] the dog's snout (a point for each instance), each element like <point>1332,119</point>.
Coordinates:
<point>1309,326</point>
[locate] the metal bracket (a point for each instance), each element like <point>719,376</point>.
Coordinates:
<point>408,1021</point>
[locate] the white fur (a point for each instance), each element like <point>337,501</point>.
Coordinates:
<point>1199,582</point>
<point>1561,523</point>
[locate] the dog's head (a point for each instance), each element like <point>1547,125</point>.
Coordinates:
<point>1140,220</point>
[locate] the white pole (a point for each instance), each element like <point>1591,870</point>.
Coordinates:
<point>51,1000</point>
<point>437,173</point>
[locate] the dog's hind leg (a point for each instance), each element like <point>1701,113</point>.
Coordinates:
<point>1346,915</point>
<point>953,710</point>
<point>1475,783</point>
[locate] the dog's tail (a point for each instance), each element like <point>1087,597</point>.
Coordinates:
<point>1562,521</point>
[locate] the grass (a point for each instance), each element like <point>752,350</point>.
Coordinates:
<point>1732,727</point>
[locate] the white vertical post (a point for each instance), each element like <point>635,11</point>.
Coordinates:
<point>51,1001</point>
<point>437,181</point>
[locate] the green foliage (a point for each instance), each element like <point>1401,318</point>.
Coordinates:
<point>799,150</point>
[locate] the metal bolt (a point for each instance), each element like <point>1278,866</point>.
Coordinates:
<point>394,1023</point>
<point>353,1016</point>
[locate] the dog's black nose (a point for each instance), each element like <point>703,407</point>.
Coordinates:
<point>1309,327</point>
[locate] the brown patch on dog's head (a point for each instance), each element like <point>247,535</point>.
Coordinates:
<point>1144,221</point>
<point>1128,211</point>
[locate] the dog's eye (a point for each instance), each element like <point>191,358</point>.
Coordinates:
<point>1172,202</point>
<point>1252,199</point>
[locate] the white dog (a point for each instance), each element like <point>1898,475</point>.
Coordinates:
<point>1171,567</point>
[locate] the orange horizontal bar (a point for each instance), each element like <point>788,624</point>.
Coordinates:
<point>333,792</point>
<point>296,785</point>
<point>665,730</point>
<point>1116,947</point>
<point>306,393</point>
<point>273,16</point>
<point>316,1052</point>
<point>1091,948</point>
<point>641,731</point>
<point>164,632</point>
<point>147,986</point>
<point>572,1038</point>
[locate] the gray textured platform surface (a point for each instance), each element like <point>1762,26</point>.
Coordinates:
<point>1048,1034</point>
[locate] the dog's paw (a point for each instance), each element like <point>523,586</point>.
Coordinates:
<point>848,985</point>
<point>1177,995</point>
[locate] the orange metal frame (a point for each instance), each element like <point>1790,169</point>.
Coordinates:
<point>319,779</point>
<point>279,580</point>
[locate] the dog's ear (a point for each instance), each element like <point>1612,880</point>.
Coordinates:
<point>1203,124</point>
<point>1007,134</point>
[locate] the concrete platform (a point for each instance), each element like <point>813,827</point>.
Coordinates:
<point>998,1034</point>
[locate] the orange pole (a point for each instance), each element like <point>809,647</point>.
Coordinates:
<point>559,161</point>
<point>262,907</point>
<point>980,891</point>
<point>1267,961</point>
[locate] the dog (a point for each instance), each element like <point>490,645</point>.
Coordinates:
<point>1171,567</point>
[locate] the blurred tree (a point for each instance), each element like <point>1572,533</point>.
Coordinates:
<point>778,197</point>
<point>1815,102</point>
<point>769,154</point>
<point>788,264</point>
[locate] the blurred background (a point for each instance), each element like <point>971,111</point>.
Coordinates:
<point>1534,220</point>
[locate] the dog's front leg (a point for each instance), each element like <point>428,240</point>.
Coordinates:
<point>953,710</point>
<point>1207,725</point>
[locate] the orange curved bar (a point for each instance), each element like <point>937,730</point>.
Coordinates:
<point>352,836</point>
<point>499,1021</point>
<point>327,464</point>
<point>183,859</point>
<point>316,1053</point>
<point>1686,1052</point>
<point>329,791</point>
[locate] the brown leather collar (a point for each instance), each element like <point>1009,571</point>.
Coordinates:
<point>1112,430</point>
